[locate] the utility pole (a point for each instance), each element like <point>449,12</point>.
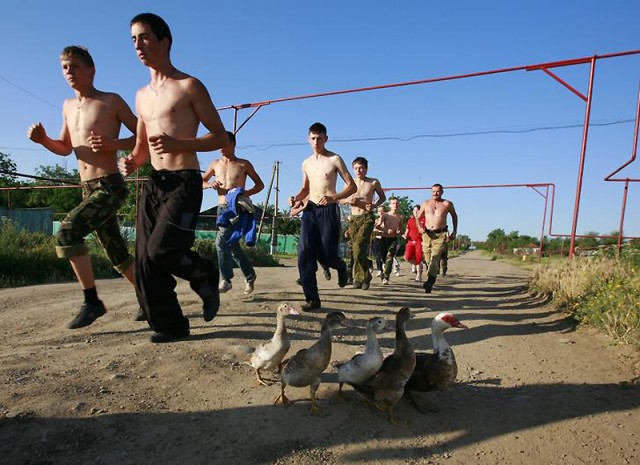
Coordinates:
<point>266,202</point>
<point>274,236</point>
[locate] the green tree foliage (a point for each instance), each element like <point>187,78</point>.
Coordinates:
<point>61,200</point>
<point>10,198</point>
<point>7,166</point>
<point>128,211</point>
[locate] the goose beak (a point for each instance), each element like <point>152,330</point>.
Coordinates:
<point>460,325</point>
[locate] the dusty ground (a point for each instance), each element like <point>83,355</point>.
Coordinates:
<point>531,388</point>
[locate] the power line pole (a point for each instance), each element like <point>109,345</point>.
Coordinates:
<point>266,202</point>
<point>274,235</point>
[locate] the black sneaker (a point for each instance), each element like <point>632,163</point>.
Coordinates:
<point>140,316</point>
<point>160,338</point>
<point>327,274</point>
<point>428,285</point>
<point>311,306</point>
<point>208,291</point>
<point>87,315</point>
<point>343,277</point>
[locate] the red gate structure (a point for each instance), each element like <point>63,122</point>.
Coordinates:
<point>544,67</point>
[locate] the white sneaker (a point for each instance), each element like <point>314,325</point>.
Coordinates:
<point>378,273</point>
<point>248,287</point>
<point>419,277</point>
<point>224,286</point>
<point>413,268</point>
<point>397,273</point>
<point>385,281</point>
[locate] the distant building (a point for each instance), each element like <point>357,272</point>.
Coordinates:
<point>529,249</point>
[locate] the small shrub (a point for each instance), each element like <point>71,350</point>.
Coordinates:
<point>600,291</point>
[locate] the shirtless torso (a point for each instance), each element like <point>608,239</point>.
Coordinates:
<point>231,172</point>
<point>435,211</point>
<point>390,223</point>
<point>90,124</point>
<point>362,201</point>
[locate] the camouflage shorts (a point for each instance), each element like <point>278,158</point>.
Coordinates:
<point>101,199</point>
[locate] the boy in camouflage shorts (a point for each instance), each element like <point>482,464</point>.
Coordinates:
<point>91,124</point>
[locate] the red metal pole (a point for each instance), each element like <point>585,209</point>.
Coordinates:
<point>624,206</point>
<point>583,152</point>
<point>544,219</point>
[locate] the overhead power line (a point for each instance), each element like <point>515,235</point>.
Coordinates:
<point>444,135</point>
<point>57,107</point>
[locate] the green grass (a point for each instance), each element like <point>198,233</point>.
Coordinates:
<point>29,258</point>
<point>603,292</point>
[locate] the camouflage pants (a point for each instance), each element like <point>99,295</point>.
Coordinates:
<point>101,199</point>
<point>361,228</point>
<point>433,246</point>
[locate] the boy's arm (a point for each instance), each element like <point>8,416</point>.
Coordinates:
<point>258,185</point>
<point>140,153</point>
<point>61,146</point>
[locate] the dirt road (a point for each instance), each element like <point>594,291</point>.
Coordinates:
<point>531,389</point>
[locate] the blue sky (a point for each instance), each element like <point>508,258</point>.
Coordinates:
<point>253,51</point>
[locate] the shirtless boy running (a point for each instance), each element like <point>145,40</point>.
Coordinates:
<point>91,123</point>
<point>389,227</point>
<point>361,220</point>
<point>170,109</point>
<point>231,172</point>
<point>320,229</point>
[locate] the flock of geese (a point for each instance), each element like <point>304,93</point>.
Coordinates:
<point>380,381</point>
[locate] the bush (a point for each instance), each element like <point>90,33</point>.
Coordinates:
<point>600,291</point>
<point>28,258</point>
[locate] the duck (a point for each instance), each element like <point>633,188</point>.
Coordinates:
<point>363,366</point>
<point>386,388</point>
<point>269,354</point>
<point>437,369</point>
<point>306,366</point>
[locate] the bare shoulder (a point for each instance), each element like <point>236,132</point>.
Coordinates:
<point>190,83</point>
<point>244,162</point>
<point>334,156</point>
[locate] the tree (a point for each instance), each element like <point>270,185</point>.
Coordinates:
<point>496,240</point>
<point>10,198</point>
<point>128,210</point>
<point>60,200</point>
<point>7,166</point>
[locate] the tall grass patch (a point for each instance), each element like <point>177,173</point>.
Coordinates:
<point>28,258</point>
<point>603,292</point>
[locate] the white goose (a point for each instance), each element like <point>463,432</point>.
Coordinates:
<point>437,369</point>
<point>269,355</point>
<point>363,366</point>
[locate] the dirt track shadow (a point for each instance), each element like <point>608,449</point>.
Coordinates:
<point>246,435</point>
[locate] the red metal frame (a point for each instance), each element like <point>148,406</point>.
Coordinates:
<point>545,67</point>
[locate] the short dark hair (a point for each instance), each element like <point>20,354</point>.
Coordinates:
<point>438,185</point>
<point>79,52</point>
<point>158,26</point>
<point>362,161</point>
<point>318,128</point>
<point>415,206</point>
<point>232,137</point>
